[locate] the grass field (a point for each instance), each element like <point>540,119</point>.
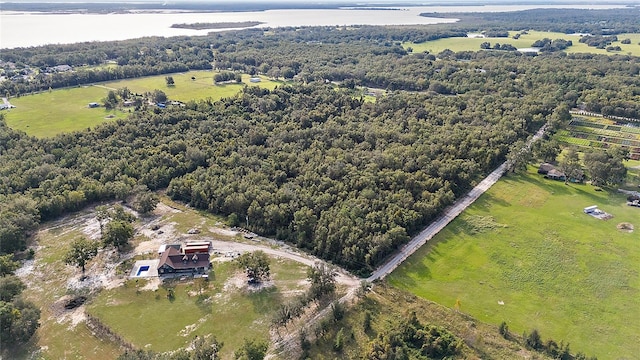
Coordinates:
<point>527,244</point>
<point>473,44</point>
<point>58,111</point>
<point>148,319</point>
<point>66,110</point>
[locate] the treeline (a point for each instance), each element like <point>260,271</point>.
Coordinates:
<point>135,58</point>
<point>259,54</point>
<point>567,21</point>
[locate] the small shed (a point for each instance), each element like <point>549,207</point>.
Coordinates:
<point>195,247</point>
<point>590,209</point>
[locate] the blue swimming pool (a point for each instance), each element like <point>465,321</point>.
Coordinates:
<point>142,269</point>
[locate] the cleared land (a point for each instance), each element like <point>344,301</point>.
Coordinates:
<point>525,253</point>
<point>225,308</point>
<point>66,110</point>
<point>473,44</point>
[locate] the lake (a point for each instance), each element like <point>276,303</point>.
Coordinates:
<point>22,29</point>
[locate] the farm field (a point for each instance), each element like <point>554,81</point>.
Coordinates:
<point>597,132</point>
<point>225,307</point>
<point>65,110</point>
<point>525,253</point>
<point>473,44</point>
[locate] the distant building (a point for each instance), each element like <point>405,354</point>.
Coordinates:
<point>255,80</point>
<point>94,105</point>
<point>61,68</point>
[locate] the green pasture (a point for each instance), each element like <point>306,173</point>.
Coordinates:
<point>457,44</point>
<point>525,253</point>
<point>65,110</point>
<point>148,319</point>
<point>185,89</point>
<point>58,111</point>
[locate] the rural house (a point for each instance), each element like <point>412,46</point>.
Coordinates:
<point>174,261</point>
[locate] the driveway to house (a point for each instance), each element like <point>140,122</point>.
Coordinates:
<point>278,248</point>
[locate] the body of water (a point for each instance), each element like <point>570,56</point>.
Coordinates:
<point>20,29</point>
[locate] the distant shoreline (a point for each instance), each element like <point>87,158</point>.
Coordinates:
<point>218,25</point>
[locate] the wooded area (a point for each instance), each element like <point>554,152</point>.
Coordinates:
<point>349,181</point>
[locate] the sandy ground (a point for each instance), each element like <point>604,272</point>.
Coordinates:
<point>101,271</point>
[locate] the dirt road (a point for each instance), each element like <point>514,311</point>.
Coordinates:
<point>449,214</point>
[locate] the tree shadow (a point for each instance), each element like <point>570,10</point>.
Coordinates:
<point>264,299</point>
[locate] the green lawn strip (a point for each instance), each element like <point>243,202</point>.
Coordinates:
<point>571,276</point>
<point>457,44</point>
<point>58,111</point>
<point>148,319</point>
<point>185,88</point>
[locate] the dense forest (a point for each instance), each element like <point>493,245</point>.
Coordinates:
<point>310,163</point>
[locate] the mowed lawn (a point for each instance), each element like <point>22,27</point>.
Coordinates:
<point>59,111</point>
<point>525,253</point>
<point>185,88</point>
<point>65,110</point>
<point>525,41</point>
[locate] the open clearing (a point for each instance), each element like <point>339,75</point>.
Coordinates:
<point>65,110</point>
<point>139,312</point>
<point>525,253</point>
<point>473,44</point>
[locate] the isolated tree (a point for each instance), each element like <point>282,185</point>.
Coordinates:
<point>256,264</point>
<point>251,350</point>
<point>323,280</point>
<point>117,233</point>
<point>80,252</point>
<point>169,80</point>
<point>111,101</point>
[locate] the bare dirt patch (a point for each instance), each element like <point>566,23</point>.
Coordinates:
<point>625,226</point>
